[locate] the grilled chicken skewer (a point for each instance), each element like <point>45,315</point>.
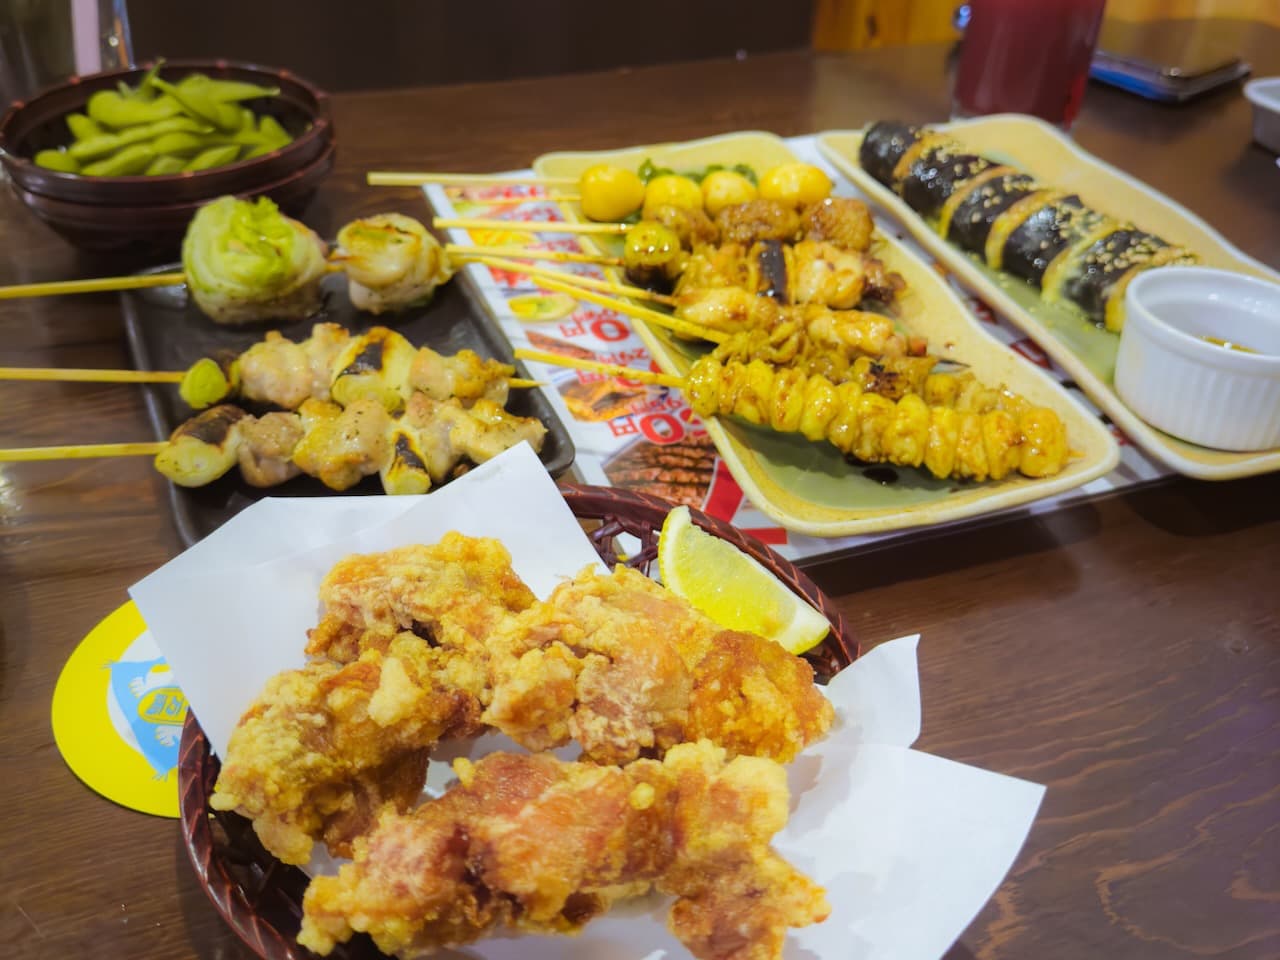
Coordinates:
<point>327,365</point>
<point>411,451</point>
<point>843,331</point>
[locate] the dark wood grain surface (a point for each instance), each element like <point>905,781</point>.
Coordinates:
<point>1126,652</point>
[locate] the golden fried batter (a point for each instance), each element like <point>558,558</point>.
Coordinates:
<point>323,748</point>
<point>625,667</point>
<point>454,594</point>
<point>534,843</point>
<point>442,641</point>
<point>752,697</point>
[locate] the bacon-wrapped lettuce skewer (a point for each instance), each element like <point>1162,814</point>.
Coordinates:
<point>246,262</point>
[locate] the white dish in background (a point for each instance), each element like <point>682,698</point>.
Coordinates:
<point>1079,347</point>
<point>1180,382</point>
<point>1264,94</point>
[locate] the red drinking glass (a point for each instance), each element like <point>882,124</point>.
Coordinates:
<point>1027,56</point>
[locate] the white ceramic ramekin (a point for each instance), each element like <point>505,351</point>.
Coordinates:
<point>1192,389</point>
<point>1264,94</point>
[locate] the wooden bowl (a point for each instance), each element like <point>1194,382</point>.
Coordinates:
<point>261,898</point>
<point>158,229</point>
<point>111,204</point>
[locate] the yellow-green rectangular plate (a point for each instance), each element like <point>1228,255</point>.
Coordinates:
<point>810,487</point>
<point>1083,349</point>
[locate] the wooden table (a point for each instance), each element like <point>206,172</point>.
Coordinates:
<point>1124,652</point>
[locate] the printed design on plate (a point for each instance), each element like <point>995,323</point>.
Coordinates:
<point>147,710</point>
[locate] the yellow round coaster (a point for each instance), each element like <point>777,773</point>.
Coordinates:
<point>117,715</point>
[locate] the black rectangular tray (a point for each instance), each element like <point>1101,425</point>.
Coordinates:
<point>167,332</point>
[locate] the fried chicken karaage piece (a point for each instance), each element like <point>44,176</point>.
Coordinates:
<point>626,668</point>
<point>537,844</point>
<point>434,642</point>
<point>455,592</point>
<point>325,747</point>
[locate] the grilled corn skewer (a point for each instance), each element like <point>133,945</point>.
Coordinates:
<point>948,442</point>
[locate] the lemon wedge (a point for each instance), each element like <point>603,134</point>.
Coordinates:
<point>732,588</point>
<point>542,306</point>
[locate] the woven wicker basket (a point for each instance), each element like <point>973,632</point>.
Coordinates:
<point>262,898</point>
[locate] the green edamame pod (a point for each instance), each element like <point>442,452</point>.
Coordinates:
<point>56,160</point>
<point>81,127</point>
<point>233,91</point>
<point>182,144</point>
<point>270,128</point>
<point>224,116</point>
<point>96,148</point>
<point>261,149</point>
<point>130,161</point>
<point>146,88</point>
<point>163,165</point>
<point>213,157</point>
<point>268,137</point>
<point>110,109</point>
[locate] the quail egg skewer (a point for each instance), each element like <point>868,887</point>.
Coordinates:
<point>607,192</point>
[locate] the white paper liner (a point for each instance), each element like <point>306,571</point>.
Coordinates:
<point>909,846</point>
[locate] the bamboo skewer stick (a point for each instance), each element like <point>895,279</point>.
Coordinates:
<point>74,375</point>
<point>133,281</point>
<point>466,253</point>
<point>517,201</point>
<point>56,287</point>
<point>666,321</point>
<point>396,178</point>
<point>86,451</point>
<point>527,226</point>
<point>612,369</point>
<point>587,283</point>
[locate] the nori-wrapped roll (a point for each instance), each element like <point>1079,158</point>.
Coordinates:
<point>1010,219</point>
<point>939,170</point>
<point>883,146</point>
<point>1053,241</point>
<point>1097,281</point>
<point>977,211</point>
<point>1047,233</point>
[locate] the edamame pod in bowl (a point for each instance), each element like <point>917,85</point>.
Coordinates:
<point>280,143</point>
<point>121,126</point>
